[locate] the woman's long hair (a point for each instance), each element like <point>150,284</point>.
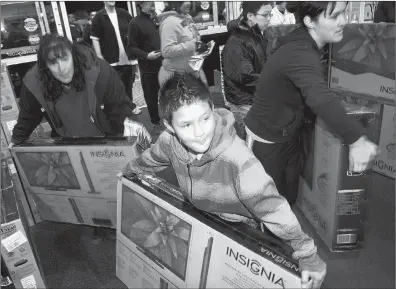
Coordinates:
<point>81,60</point>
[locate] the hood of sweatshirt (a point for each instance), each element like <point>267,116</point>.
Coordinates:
<point>223,137</point>
<point>240,26</point>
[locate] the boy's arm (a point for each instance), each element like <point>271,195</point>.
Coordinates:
<point>259,194</point>
<point>152,160</point>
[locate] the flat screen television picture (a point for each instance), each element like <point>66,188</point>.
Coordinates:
<point>49,170</point>
<point>159,234</point>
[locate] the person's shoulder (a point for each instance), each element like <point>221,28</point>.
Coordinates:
<point>100,13</point>
<point>123,12</point>
<point>239,155</point>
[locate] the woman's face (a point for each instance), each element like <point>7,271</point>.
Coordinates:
<point>61,65</point>
<point>185,7</point>
<point>262,17</point>
<point>329,27</point>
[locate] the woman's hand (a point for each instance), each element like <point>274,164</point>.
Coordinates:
<point>361,153</point>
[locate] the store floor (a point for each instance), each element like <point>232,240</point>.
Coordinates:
<point>74,256</point>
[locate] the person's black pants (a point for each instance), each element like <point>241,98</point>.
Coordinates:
<point>283,162</point>
<point>127,74</point>
<point>150,87</point>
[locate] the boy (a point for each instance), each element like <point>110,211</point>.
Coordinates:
<point>217,172</point>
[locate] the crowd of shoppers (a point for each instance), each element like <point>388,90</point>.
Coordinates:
<point>88,92</point>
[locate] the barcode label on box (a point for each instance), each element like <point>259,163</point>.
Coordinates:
<point>29,282</point>
<point>14,241</point>
<point>334,80</point>
<point>346,238</point>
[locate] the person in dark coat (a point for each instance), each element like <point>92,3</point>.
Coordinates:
<point>385,12</point>
<point>144,44</point>
<point>243,57</point>
<point>79,94</point>
<point>291,84</point>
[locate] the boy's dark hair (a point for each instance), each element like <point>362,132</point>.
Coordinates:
<point>313,9</point>
<point>182,89</point>
<point>253,7</point>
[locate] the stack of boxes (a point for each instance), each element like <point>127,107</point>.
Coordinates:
<point>16,249</point>
<point>362,74</point>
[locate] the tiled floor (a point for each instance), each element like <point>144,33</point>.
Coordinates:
<point>72,257</point>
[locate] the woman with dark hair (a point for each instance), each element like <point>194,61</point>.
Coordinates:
<point>244,56</point>
<point>79,94</point>
<point>292,84</point>
<point>179,41</point>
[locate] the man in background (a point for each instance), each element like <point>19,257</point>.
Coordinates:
<point>144,44</point>
<point>75,30</point>
<point>88,28</point>
<point>109,34</point>
<point>385,12</point>
<point>280,15</point>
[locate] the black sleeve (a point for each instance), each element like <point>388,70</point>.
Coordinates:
<point>305,71</point>
<point>96,28</point>
<point>379,14</point>
<point>30,116</point>
<point>238,65</point>
<point>133,49</point>
<point>117,105</point>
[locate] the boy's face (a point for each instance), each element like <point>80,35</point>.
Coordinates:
<point>194,125</point>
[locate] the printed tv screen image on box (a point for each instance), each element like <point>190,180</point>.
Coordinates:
<point>164,241</point>
<point>364,61</point>
<point>156,230</point>
<point>49,170</point>
<point>69,168</point>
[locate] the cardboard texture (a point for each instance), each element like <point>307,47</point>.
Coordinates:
<point>364,61</point>
<point>385,161</point>
<point>331,198</point>
<point>16,250</point>
<point>74,181</point>
<point>164,242</point>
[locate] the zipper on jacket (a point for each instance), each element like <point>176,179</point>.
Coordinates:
<point>93,121</point>
<point>191,182</point>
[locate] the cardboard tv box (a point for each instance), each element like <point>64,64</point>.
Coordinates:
<point>16,249</point>
<point>384,163</point>
<point>163,241</point>
<point>364,61</point>
<point>332,198</point>
<point>74,181</point>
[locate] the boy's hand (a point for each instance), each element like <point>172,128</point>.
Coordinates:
<point>313,271</point>
<point>311,279</point>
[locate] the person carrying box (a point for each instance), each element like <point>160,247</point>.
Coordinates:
<point>218,173</point>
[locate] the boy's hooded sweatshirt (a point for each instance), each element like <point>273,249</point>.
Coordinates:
<point>228,180</point>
